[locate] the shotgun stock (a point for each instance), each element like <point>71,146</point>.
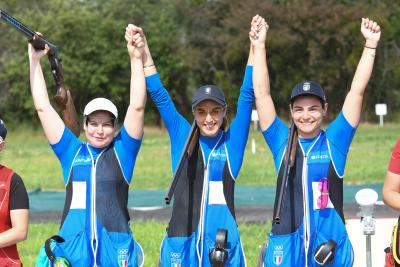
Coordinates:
<point>62,97</point>
<point>186,153</point>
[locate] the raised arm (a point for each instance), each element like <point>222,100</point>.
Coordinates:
<point>353,102</point>
<point>52,124</point>
<point>264,104</point>
<point>237,135</point>
<point>134,119</point>
<point>148,62</point>
<point>178,127</point>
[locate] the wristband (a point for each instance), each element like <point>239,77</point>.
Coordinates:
<point>149,66</point>
<point>370,47</point>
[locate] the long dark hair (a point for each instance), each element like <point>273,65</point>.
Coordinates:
<point>225,124</point>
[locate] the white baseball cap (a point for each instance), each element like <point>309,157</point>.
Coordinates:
<point>100,103</point>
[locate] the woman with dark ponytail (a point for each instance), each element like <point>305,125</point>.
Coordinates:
<point>203,229</point>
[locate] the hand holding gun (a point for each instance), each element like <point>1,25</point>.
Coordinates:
<point>63,96</point>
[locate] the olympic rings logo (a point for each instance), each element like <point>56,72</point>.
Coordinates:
<point>122,251</point>
<point>175,255</point>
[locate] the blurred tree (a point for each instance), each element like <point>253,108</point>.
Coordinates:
<point>196,42</point>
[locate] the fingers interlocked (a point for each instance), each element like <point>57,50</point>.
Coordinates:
<point>134,35</point>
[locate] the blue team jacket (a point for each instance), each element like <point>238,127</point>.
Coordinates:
<point>305,223</point>
<point>95,222</point>
<point>203,202</point>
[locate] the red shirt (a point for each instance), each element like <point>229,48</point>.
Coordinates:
<point>394,164</point>
<point>8,255</point>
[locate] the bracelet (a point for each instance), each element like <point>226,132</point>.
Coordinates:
<point>370,47</point>
<point>149,66</point>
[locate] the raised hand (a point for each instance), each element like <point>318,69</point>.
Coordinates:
<point>371,32</point>
<point>258,30</point>
<point>135,41</point>
<point>35,55</point>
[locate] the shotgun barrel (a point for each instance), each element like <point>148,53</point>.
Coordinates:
<point>288,163</point>
<point>186,153</point>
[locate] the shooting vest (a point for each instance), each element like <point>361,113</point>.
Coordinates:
<point>9,255</point>
<point>95,222</point>
<point>203,203</point>
<point>304,225</point>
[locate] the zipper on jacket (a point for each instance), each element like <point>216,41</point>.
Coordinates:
<point>93,213</point>
<point>203,205</point>
<point>306,220</point>
<point>201,221</point>
<point>94,241</point>
<point>306,204</point>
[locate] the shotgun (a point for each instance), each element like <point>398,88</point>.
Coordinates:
<point>289,162</point>
<point>63,96</point>
<point>186,153</point>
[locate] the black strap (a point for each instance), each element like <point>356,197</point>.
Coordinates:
<point>47,247</point>
<point>324,253</point>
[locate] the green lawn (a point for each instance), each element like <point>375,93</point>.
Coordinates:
<point>149,236</point>
<point>29,154</point>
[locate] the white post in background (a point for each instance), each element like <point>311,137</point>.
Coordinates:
<point>253,146</point>
<point>381,110</point>
<point>367,198</point>
<point>254,118</point>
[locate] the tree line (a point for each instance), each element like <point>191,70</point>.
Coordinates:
<point>197,42</point>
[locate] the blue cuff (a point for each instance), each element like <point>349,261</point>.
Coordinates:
<point>153,82</point>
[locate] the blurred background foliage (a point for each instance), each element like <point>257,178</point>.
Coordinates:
<point>195,42</point>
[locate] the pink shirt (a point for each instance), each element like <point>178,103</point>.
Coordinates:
<point>394,164</point>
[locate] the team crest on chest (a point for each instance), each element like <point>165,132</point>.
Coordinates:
<point>175,259</point>
<point>122,257</point>
<point>306,86</point>
<point>278,255</point>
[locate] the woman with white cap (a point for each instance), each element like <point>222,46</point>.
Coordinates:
<point>97,173</point>
<point>203,229</point>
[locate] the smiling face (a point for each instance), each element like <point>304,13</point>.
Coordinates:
<point>209,116</point>
<point>100,129</point>
<point>308,113</point>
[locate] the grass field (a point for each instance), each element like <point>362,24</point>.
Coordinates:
<point>29,154</point>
